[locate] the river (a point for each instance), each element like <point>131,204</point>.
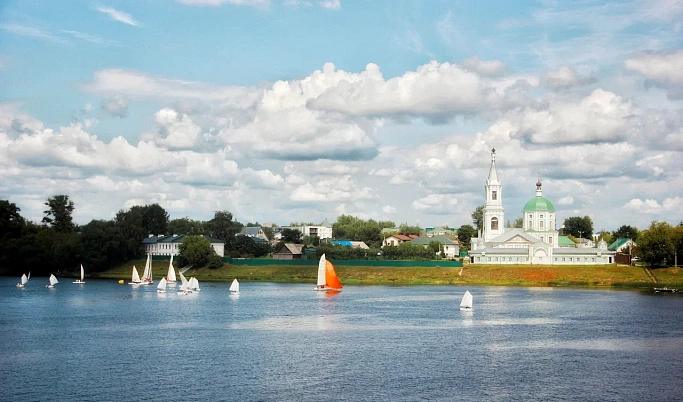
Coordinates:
<point>103,341</point>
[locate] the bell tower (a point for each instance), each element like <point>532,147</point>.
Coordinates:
<point>494,213</point>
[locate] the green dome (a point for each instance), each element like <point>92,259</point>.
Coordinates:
<point>539,204</point>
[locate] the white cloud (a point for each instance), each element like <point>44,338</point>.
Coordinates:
<point>116,106</point>
<point>437,204</point>
<point>175,130</point>
<point>388,209</point>
<point>568,200</point>
<point>118,15</point>
<point>665,70</point>
<point>564,78</point>
<point>330,4</point>
<point>22,30</point>
<point>648,206</point>
<point>436,91</point>
<point>90,38</point>
<point>339,189</point>
<point>485,68</point>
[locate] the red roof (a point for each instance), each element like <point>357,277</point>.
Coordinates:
<point>405,237</point>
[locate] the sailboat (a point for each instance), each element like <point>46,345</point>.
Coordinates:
<point>170,277</point>
<point>194,284</point>
<point>235,287</point>
<point>161,287</point>
<point>147,275</point>
<point>327,278</point>
<point>135,278</point>
<point>82,274</point>
<point>466,303</point>
<point>24,280</point>
<point>53,281</point>
<point>184,285</point>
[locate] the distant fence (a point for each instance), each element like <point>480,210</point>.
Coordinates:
<point>259,262</point>
<point>623,258</point>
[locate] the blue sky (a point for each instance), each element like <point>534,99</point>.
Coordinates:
<point>288,110</point>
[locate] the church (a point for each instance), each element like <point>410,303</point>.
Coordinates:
<point>538,242</point>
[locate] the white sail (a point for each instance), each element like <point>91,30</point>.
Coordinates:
<point>184,288</point>
<point>235,287</point>
<point>53,280</point>
<point>321,271</point>
<point>466,303</point>
<point>82,273</point>
<point>194,284</point>
<point>24,279</point>
<point>29,276</point>
<point>147,275</point>
<point>171,272</point>
<point>161,287</point>
<point>135,277</point>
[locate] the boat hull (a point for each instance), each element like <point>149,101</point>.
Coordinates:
<point>77,281</point>
<point>19,285</point>
<point>326,289</point>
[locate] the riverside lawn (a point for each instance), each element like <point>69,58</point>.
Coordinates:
<point>488,275</point>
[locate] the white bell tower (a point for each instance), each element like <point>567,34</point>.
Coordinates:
<point>494,213</point>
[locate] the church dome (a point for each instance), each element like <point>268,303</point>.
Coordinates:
<point>539,203</point>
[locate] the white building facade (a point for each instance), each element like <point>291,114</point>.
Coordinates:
<point>536,242</point>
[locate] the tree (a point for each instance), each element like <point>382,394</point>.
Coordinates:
<point>406,229</point>
<point>222,227</point>
<point>579,227</point>
<point>465,234</point>
<point>58,214</point>
<point>478,217</point>
<point>102,245</point>
<point>185,226</point>
<point>311,240</point>
<point>195,251</point>
<point>155,219</point>
<point>626,232</point>
<point>519,223</point>
<point>11,222</point>
<point>655,244</point>
<point>129,224</point>
<point>291,235</point>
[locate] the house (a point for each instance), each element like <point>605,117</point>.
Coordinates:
<point>397,239</point>
<point>352,244</point>
<point>257,239</point>
<point>449,247</point>
<point>586,243</point>
<point>170,245</point>
<point>253,231</point>
<point>622,245</point>
<point>440,231</point>
<point>565,241</point>
<point>322,231</point>
<point>289,251</point>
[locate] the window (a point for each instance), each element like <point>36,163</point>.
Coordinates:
<point>494,223</point>
<point>541,216</point>
<point>510,259</point>
<point>541,223</point>
<point>494,195</point>
<point>489,258</point>
<point>593,259</point>
<point>530,225</point>
<point>530,216</point>
<point>570,259</point>
<point>550,239</point>
<point>562,258</point>
<point>555,259</point>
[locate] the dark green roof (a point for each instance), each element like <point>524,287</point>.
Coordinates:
<point>618,243</point>
<point>539,204</point>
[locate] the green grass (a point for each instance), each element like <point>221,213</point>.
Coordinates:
<point>494,275</point>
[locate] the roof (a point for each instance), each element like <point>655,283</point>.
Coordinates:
<point>427,240</point>
<point>251,230</point>
<point>539,203</point>
<point>618,243</point>
<point>256,239</point>
<point>352,244</point>
<point>565,241</point>
<point>404,237</point>
<point>510,234</point>
<point>583,250</point>
<point>291,248</point>
<point>176,239</point>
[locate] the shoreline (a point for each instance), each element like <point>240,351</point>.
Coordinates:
<point>560,276</point>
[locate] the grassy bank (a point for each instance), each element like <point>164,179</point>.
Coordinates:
<point>495,275</point>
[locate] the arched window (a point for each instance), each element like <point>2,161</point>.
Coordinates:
<point>494,195</point>
<point>494,223</point>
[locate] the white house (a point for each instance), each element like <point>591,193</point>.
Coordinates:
<point>450,248</point>
<point>170,245</point>
<point>323,231</point>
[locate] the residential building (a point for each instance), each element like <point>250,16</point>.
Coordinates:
<point>322,231</point>
<point>253,231</point>
<point>289,251</point>
<point>352,244</point>
<point>397,239</point>
<point>622,245</point>
<point>170,245</point>
<point>450,248</point>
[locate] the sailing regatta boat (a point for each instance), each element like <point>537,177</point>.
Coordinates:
<point>82,273</point>
<point>194,284</point>
<point>24,280</point>
<point>53,281</point>
<point>327,278</point>
<point>184,285</point>
<point>135,278</point>
<point>235,287</point>
<point>161,287</point>
<point>147,275</point>
<point>466,303</point>
<point>170,277</point>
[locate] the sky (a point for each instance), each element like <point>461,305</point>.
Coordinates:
<point>302,110</point>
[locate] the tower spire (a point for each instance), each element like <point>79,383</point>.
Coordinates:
<point>493,175</point>
<point>539,192</point>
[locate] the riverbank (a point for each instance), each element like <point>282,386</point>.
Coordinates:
<point>489,275</point>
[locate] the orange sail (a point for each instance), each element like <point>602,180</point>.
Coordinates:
<point>331,276</point>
